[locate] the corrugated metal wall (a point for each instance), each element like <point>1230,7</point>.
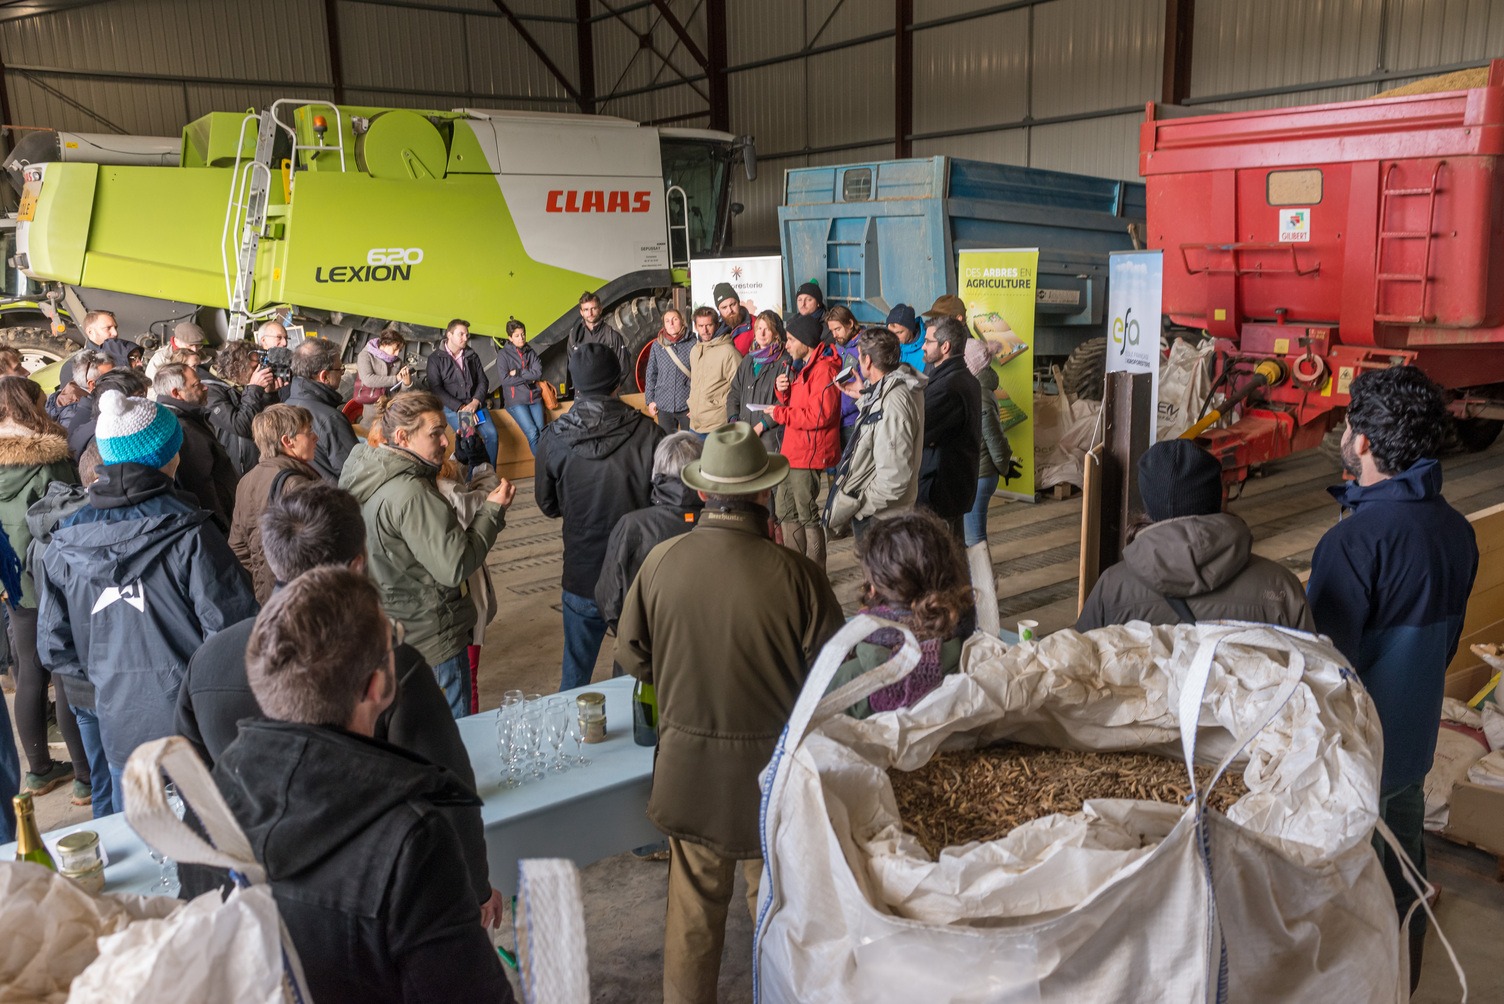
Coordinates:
<point>1050,83</point>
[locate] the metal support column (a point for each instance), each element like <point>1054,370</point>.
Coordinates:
<point>585,55</point>
<point>336,64</point>
<point>1180,17</point>
<point>903,77</point>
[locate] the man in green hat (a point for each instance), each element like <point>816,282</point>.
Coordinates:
<point>725,624</point>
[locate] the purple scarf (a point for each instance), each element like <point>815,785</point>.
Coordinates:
<point>385,357</point>
<point>927,675</point>
<point>763,356</point>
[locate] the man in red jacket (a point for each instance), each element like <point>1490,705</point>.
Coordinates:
<point>809,409</point>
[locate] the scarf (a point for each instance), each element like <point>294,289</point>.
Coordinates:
<point>763,357</point>
<point>927,675</point>
<point>385,357</point>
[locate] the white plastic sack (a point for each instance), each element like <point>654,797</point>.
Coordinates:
<point>62,944</point>
<point>1185,378</point>
<point>1488,771</point>
<point>1110,904</point>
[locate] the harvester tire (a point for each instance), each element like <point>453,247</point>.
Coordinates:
<point>1474,435</point>
<point>1331,443</point>
<point>639,320</point>
<point>38,346</point>
<point>1085,370</point>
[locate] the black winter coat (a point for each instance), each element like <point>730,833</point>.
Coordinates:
<point>454,384</point>
<point>952,440</point>
<point>231,410</point>
<point>674,509</point>
<point>367,872</point>
<point>336,437</point>
<point>216,696</point>
<point>205,470</point>
<point>128,589</point>
<point>593,466</point>
<point>753,386</point>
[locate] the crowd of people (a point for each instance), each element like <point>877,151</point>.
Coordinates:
<point>213,551</point>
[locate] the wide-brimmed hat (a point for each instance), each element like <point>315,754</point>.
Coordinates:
<point>735,463</point>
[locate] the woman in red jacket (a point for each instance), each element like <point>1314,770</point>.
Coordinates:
<point>809,409</point>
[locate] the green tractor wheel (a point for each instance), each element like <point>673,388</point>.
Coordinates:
<point>38,346</point>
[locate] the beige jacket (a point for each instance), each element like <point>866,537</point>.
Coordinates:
<point>880,473</point>
<point>712,368</point>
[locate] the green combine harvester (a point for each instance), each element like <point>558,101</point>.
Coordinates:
<point>343,220</point>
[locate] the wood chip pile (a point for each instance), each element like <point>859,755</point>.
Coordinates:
<point>979,795</point>
<point>1461,80</point>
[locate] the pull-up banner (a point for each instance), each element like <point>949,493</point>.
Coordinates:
<point>998,290</point>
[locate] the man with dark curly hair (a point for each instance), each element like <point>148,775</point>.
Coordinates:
<point>1389,583</point>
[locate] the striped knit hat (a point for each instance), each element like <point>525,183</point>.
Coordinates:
<point>133,430</point>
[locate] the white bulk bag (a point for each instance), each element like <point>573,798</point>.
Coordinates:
<point>1281,899</point>
<point>117,949</point>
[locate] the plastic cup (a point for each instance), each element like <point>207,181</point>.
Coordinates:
<point>1028,630</point>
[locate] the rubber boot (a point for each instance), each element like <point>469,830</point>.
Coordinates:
<point>815,537</point>
<point>793,536</point>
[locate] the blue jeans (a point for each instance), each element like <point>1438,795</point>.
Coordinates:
<point>487,432</point>
<point>100,779</point>
<point>454,677</point>
<point>976,520</point>
<point>117,789</point>
<point>584,630</point>
<point>10,776</point>
<point>529,418</point>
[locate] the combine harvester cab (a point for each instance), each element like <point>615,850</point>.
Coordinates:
<point>353,217</point>
<point>1315,243</point>
<point>887,232</point>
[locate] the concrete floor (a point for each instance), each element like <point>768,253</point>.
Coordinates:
<point>1035,550</point>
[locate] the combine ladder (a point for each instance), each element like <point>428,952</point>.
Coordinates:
<point>248,203</point>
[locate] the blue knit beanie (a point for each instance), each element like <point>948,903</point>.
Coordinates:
<point>133,430</point>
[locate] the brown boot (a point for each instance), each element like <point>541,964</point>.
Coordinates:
<point>793,536</point>
<point>815,538</point>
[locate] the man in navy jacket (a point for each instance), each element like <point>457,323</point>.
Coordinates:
<point>1389,583</point>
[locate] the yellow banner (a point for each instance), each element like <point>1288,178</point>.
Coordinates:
<point>998,290</point>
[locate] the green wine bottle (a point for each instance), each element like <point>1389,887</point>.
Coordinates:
<point>644,714</point>
<point>29,846</point>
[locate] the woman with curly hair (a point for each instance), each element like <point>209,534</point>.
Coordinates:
<point>916,575</point>
<point>33,454</point>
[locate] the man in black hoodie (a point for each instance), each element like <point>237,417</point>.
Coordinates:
<point>952,427</point>
<point>315,526</point>
<point>367,872</point>
<point>594,465</point>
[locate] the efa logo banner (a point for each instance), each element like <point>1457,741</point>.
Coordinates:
<point>758,281</point>
<point>1135,293</point>
<point>595,200</point>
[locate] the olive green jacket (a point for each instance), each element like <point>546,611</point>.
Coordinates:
<point>418,553</point>
<point>29,462</point>
<point>726,676</point>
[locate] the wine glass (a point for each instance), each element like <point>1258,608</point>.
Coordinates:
<point>507,741</point>
<point>167,880</point>
<point>531,733</point>
<point>577,733</point>
<point>556,727</point>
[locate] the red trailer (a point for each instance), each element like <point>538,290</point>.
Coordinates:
<point>1314,243</point>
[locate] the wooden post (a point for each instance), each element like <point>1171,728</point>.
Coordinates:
<point>1128,418</point>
